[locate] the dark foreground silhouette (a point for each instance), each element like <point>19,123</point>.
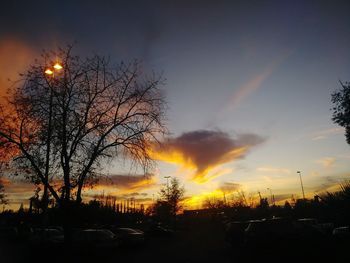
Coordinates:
<point>204,240</point>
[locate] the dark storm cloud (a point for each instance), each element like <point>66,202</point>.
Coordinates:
<point>204,150</point>
<point>131,183</point>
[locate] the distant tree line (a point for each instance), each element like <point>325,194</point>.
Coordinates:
<point>329,206</point>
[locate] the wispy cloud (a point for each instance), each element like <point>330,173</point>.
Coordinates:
<point>204,151</point>
<point>330,183</point>
<point>273,170</point>
<point>14,186</point>
<point>248,88</point>
<point>17,191</point>
<point>126,184</point>
<point>327,162</point>
<point>255,82</point>
<point>324,134</point>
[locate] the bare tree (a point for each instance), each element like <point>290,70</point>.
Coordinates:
<point>65,119</point>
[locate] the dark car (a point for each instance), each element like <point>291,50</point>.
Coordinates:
<point>46,237</point>
<point>159,231</point>
<point>341,233</point>
<point>309,231</point>
<point>234,233</point>
<point>272,232</point>
<point>95,239</point>
<point>129,236</point>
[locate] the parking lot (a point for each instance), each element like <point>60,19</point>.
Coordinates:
<point>195,242</point>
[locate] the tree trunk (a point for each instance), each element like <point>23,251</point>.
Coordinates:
<point>67,225</point>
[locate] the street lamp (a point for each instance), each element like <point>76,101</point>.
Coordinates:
<point>271,196</point>
<point>301,183</point>
<point>50,72</point>
<point>57,66</point>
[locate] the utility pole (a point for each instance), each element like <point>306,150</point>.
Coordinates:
<point>301,183</point>
<point>271,196</point>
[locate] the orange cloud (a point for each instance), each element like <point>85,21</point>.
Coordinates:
<point>125,184</point>
<point>203,152</point>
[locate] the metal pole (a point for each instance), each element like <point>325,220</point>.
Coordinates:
<point>301,183</point>
<point>271,196</point>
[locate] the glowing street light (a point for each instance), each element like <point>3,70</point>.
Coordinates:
<point>56,67</point>
<point>48,72</point>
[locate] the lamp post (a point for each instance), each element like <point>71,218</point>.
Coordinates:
<point>50,72</point>
<point>301,183</point>
<point>271,196</point>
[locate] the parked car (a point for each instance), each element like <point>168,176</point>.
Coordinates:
<point>341,233</point>
<point>159,231</point>
<point>308,221</point>
<point>95,239</point>
<point>272,232</point>
<point>309,230</point>
<point>234,233</point>
<point>46,237</point>
<point>129,236</point>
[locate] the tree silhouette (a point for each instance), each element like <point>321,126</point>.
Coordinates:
<point>6,152</point>
<point>172,194</point>
<point>168,204</point>
<point>3,199</point>
<point>341,109</point>
<point>65,122</point>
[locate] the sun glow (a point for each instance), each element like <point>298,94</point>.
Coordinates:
<point>197,201</point>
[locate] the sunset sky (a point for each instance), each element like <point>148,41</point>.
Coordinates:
<point>248,85</point>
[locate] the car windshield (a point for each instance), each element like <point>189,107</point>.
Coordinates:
<point>127,230</point>
<point>256,226</point>
<point>308,221</point>
<point>104,234</point>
